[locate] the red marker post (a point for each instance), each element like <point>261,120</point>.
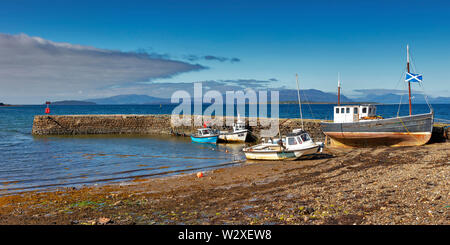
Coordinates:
<point>47,110</point>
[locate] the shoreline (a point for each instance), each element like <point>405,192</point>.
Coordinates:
<point>404,185</point>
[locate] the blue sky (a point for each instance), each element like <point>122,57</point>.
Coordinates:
<point>363,40</point>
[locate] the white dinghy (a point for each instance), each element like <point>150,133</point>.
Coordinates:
<point>291,147</point>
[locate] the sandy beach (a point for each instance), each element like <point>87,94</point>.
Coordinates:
<point>404,185</point>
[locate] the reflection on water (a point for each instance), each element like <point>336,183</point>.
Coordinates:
<point>56,161</point>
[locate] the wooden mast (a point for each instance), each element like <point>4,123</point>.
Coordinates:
<point>409,84</point>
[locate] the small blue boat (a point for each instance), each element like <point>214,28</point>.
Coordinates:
<point>205,135</point>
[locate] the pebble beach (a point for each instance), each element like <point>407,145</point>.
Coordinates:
<point>382,186</point>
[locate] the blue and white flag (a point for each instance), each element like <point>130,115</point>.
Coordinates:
<point>411,77</point>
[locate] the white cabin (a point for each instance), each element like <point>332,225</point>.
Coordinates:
<point>353,113</point>
<point>205,132</point>
<point>239,126</point>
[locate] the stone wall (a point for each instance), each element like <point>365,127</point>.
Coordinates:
<point>161,125</point>
<point>146,124</point>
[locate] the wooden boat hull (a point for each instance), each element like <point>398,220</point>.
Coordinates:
<point>401,131</point>
<point>281,155</point>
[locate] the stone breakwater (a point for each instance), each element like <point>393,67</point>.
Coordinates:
<point>161,125</point>
<point>147,125</point>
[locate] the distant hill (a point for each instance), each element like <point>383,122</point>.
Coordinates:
<point>72,102</point>
<point>130,99</point>
<point>440,100</point>
<point>285,96</point>
<point>391,98</point>
<point>309,95</point>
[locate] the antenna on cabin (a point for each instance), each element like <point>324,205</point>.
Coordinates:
<point>339,89</point>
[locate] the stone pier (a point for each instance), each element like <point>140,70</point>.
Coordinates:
<point>161,125</point>
<point>146,125</point>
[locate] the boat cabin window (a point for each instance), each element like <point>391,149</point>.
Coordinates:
<point>292,141</point>
<point>342,110</point>
<point>305,137</point>
<point>355,110</point>
<point>204,132</point>
<point>299,140</point>
<point>364,110</point>
<point>347,110</point>
<point>337,110</point>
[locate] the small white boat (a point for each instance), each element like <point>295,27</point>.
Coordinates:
<point>293,146</point>
<point>239,133</point>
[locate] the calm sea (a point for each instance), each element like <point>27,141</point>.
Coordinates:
<point>34,163</point>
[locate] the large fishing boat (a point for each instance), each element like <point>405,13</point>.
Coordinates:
<point>359,126</point>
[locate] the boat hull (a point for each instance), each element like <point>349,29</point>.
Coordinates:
<point>234,137</point>
<point>401,131</point>
<point>210,139</point>
<point>281,155</point>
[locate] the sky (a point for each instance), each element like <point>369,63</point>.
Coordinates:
<point>70,50</point>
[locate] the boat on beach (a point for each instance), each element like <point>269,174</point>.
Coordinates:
<point>293,146</point>
<point>290,147</point>
<point>205,135</point>
<point>359,126</point>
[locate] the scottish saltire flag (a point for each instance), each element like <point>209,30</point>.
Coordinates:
<point>411,77</point>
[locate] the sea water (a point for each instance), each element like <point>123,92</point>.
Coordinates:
<point>40,162</point>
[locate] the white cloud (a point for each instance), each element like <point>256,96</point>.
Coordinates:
<point>35,68</point>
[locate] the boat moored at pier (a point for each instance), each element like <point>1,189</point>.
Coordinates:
<point>239,133</point>
<point>205,135</point>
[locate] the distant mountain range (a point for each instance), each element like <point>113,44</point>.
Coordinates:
<point>135,99</point>
<point>309,95</point>
<point>391,98</point>
<point>285,95</point>
<point>73,102</point>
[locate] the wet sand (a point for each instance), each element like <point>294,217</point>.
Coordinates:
<point>404,185</point>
